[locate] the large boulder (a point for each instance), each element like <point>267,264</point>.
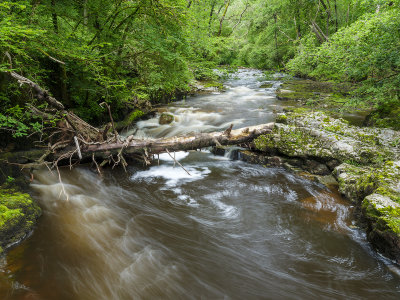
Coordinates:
<point>309,134</point>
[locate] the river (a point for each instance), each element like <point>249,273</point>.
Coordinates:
<point>230,230</point>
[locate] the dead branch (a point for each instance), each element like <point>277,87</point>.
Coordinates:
<point>111,118</point>
<point>182,143</point>
<point>177,162</point>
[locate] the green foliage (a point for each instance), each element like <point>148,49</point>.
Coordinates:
<point>128,53</point>
<point>367,52</point>
<point>10,179</point>
<point>114,51</point>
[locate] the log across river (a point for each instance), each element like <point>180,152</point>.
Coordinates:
<point>230,230</point>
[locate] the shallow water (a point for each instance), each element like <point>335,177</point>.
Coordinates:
<point>230,230</point>
<point>243,104</point>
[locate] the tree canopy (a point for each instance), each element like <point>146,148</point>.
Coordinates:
<point>128,53</point>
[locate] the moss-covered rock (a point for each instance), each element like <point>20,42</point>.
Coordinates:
<point>366,161</point>
<point>206,87</point>
<point>165,118</point>
<point>317,135</point>
<point>383,219</point>
<point>266,85</point>
<point>18,215</point>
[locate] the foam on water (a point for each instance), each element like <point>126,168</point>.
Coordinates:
<point>173,175</point>
<point>176,155</point>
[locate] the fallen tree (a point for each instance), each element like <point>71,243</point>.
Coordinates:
<point>79,141</point>
<point>148,147</point>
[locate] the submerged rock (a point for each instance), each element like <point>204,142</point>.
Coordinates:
<point>266,85</point>
<point>18,215</point>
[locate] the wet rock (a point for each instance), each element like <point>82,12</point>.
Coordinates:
<point>18,215</point>
<point>328,180</point>
<point>383,219</point>
<point>316,168</point>
<point>266,86</point>
<point>315,134</point>
<point>206,87</point>
<point>274,161</point>
<point>313,93</point>
<point>165,118</point>
<point>289,167</point>
<point>376,190</point>
<point>365,162</point>
<point>219,150</point>
<point>332,164</point>
<point>257,158</point>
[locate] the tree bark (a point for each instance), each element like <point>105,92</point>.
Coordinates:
<point>211,17</point>
<point>85,14</point>
<point>297,22</point>
<point>336,18</point>
<point>183,143</point>
<point>318,32</point>
<point>223,17</point>
<point>276,32</point>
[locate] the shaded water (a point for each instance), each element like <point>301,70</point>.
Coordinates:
<point>231,230</point>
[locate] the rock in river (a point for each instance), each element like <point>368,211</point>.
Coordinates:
<point>367,164</point>
<point>165,118</point>
<point>18,215</point>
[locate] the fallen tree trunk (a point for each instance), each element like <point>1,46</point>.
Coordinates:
<point>148,147</point>
<point>79,141</point>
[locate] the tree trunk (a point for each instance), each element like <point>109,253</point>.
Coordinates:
<point>85,14</point>
<point>184,143</point>
<point>223,17</point>
<point>211,17</point>
<point>297,21</point>
<point>336,17</point>
<point>91,142</point>
<point>54,15</point>
<point>318,32</point>
<point>276,32</point>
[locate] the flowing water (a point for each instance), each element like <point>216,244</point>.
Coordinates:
<point>231,230</point>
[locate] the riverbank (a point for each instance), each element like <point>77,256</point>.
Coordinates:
<point>19,212</point>
<point>365,162</point>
